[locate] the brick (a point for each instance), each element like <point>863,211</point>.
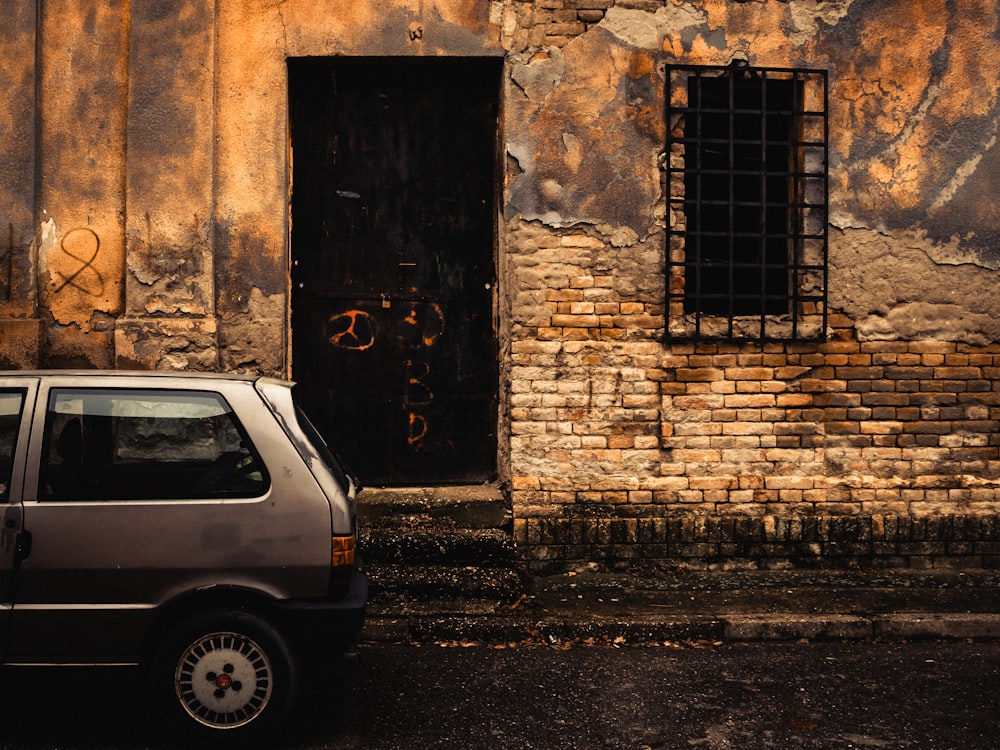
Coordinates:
<point>565,30</point>
<point>702,374</point>
<point>816,385</point>
<point>957,373</point>
<point>927,347</point>
<point>909,373</point>
<point>885,399</point>
<point>860,373</point>
<point>575,321</point>
<point>749,373</point>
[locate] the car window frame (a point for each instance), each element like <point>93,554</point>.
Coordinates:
<point>21,470</point>
<point>17,447</point>
<point>148,392</point>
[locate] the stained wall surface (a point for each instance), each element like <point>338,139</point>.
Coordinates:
<point>144,156</point>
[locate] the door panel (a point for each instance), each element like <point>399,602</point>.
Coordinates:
<point>393,215</point>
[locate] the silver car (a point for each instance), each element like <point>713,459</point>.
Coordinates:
<point>195,525</point>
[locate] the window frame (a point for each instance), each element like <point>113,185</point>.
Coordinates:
<point>698,224</point>
<point>116,487</point>
<point>16,420</point>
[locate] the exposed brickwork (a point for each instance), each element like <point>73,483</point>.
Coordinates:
<point>555,23</point>
<point>623,447</point>
<point>879,541</point>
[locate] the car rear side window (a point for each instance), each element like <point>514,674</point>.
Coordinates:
<point>134,444</point>
<point>11,403</point>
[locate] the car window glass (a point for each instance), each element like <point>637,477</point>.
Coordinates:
<point>135,444</point>
<point>11,403</point>
<point>333,462</point>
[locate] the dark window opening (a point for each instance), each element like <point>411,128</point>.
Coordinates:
<point>747,184</point>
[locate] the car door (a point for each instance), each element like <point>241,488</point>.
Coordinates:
<point>15,395</point>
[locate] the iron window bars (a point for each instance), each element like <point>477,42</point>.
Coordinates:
<point>747,185</point>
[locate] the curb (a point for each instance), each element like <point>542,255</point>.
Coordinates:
<point>640,629</point>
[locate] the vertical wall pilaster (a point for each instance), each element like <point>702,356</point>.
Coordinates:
<point>19,325</point>
<point>80,151</point>
<point>169,320</point>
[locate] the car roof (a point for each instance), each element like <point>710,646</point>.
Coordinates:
<point>141,374</point>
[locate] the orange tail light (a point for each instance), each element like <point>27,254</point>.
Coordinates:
<point>342,550</point>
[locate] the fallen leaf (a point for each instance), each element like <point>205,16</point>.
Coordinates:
<point>517,604</point>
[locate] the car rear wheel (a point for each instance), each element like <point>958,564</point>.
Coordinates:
<point>225,678</point>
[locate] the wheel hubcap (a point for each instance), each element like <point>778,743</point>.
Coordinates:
<point>223,680</point>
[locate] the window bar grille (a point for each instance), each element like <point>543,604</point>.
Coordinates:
<point>767,125</point>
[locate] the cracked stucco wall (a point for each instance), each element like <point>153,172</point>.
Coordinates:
<point>913,139</point>
<point>894,414</point>
<point>146,149</point>
<point>144,222</point>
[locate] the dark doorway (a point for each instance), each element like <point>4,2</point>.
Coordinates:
<point>393,272</point>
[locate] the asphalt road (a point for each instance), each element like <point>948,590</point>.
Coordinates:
<point>919,695</point>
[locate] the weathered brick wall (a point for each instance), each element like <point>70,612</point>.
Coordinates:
<point>877,446</point>
<point>696,542</point>
<point>631,449</point>
<point>553,23</point>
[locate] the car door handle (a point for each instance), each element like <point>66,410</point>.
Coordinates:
<point>22,547</point>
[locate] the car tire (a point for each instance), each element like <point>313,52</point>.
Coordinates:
<point>226,678</point>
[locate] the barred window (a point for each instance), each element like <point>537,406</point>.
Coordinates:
<point>747,182</point>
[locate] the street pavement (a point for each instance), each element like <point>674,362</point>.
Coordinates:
<point>635,608</point>
<point>718,660</point>
<point>773,695</point>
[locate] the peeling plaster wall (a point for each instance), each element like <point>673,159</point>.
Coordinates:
<point>912,288</point>
<point>80,197</point>
<point>611,432</point>
<point>913,139</point>
<point>913,134</point>
<point>169,321</point>
<point>144,185</point>
<point>20,329</point>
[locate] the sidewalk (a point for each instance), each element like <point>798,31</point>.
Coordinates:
<point>591,607</point>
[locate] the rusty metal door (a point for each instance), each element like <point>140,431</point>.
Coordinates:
<point>393,272</point>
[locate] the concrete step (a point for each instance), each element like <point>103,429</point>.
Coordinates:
<point>428,543</point>
<point>471,507</point>
<point>437,544</point>
<point>389,584</point>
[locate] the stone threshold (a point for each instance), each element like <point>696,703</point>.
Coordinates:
<point>469,506</point>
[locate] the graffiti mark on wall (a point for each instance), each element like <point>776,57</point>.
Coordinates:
<point>351,330</point>
<point>417,392</point>
<point>418,328</point>
<point>421,330</point>
<point>418,430</point>
<point>81,245</point>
